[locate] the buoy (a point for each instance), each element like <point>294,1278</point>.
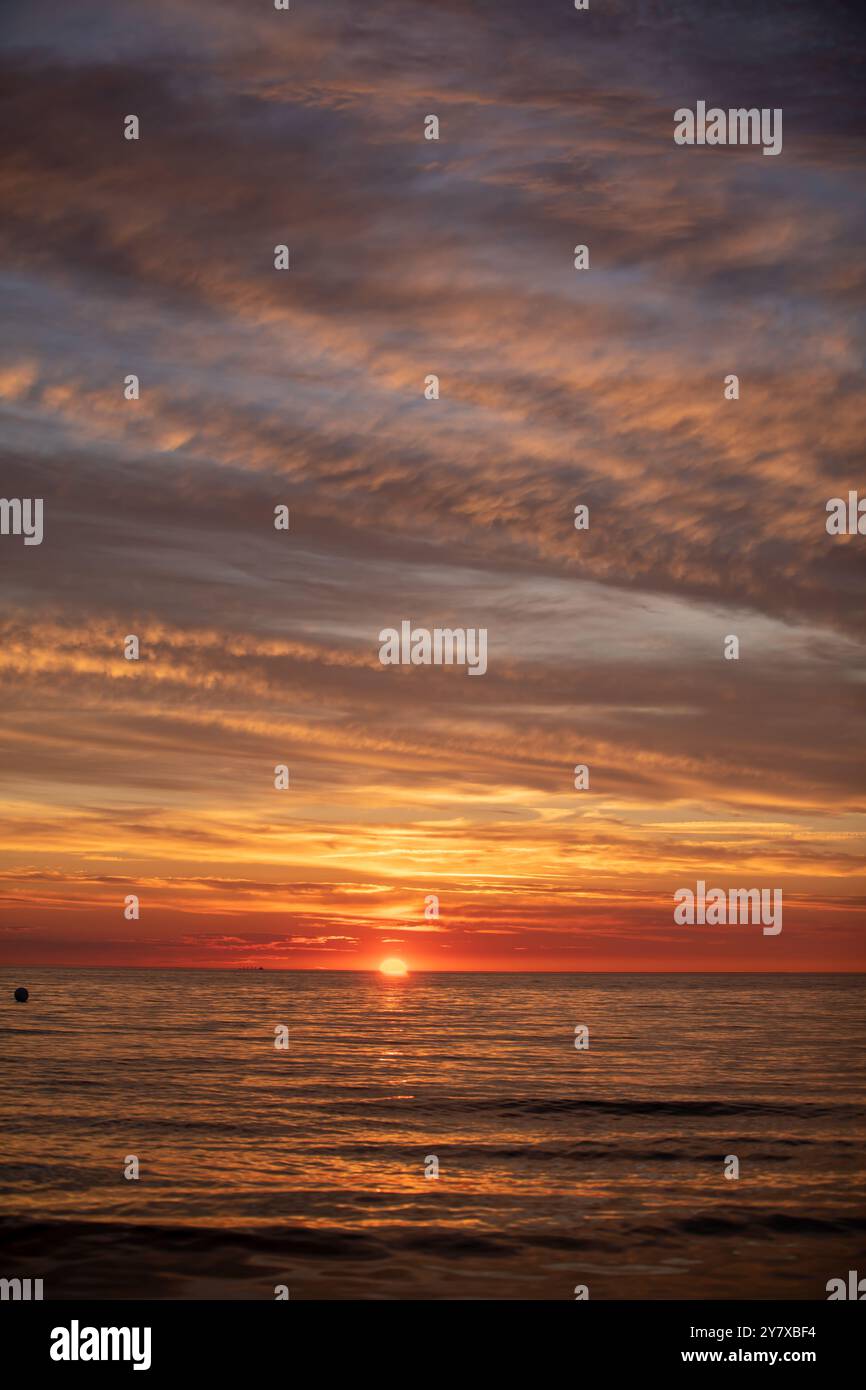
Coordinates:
<point>21,996</point>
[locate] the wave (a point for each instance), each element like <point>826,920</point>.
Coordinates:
<point>572,1104</point>
<point>66,1238</point>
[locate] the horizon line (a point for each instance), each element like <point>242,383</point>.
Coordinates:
<point>374,970</point>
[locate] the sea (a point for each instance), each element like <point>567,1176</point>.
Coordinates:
<point>439,1136</point>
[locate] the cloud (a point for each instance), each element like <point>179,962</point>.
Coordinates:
<point>305,389</point>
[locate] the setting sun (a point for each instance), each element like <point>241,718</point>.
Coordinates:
<point>392,965</point>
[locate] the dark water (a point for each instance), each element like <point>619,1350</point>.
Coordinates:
<point>557,1167</point>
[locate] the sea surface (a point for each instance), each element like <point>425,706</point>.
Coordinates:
<point>306,1167</point>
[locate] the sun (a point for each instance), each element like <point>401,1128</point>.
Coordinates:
<point>393,965</point>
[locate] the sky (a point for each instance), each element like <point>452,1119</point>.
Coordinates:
<point>305,388</point>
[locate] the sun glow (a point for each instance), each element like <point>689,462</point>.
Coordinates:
<point>392,965</point>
